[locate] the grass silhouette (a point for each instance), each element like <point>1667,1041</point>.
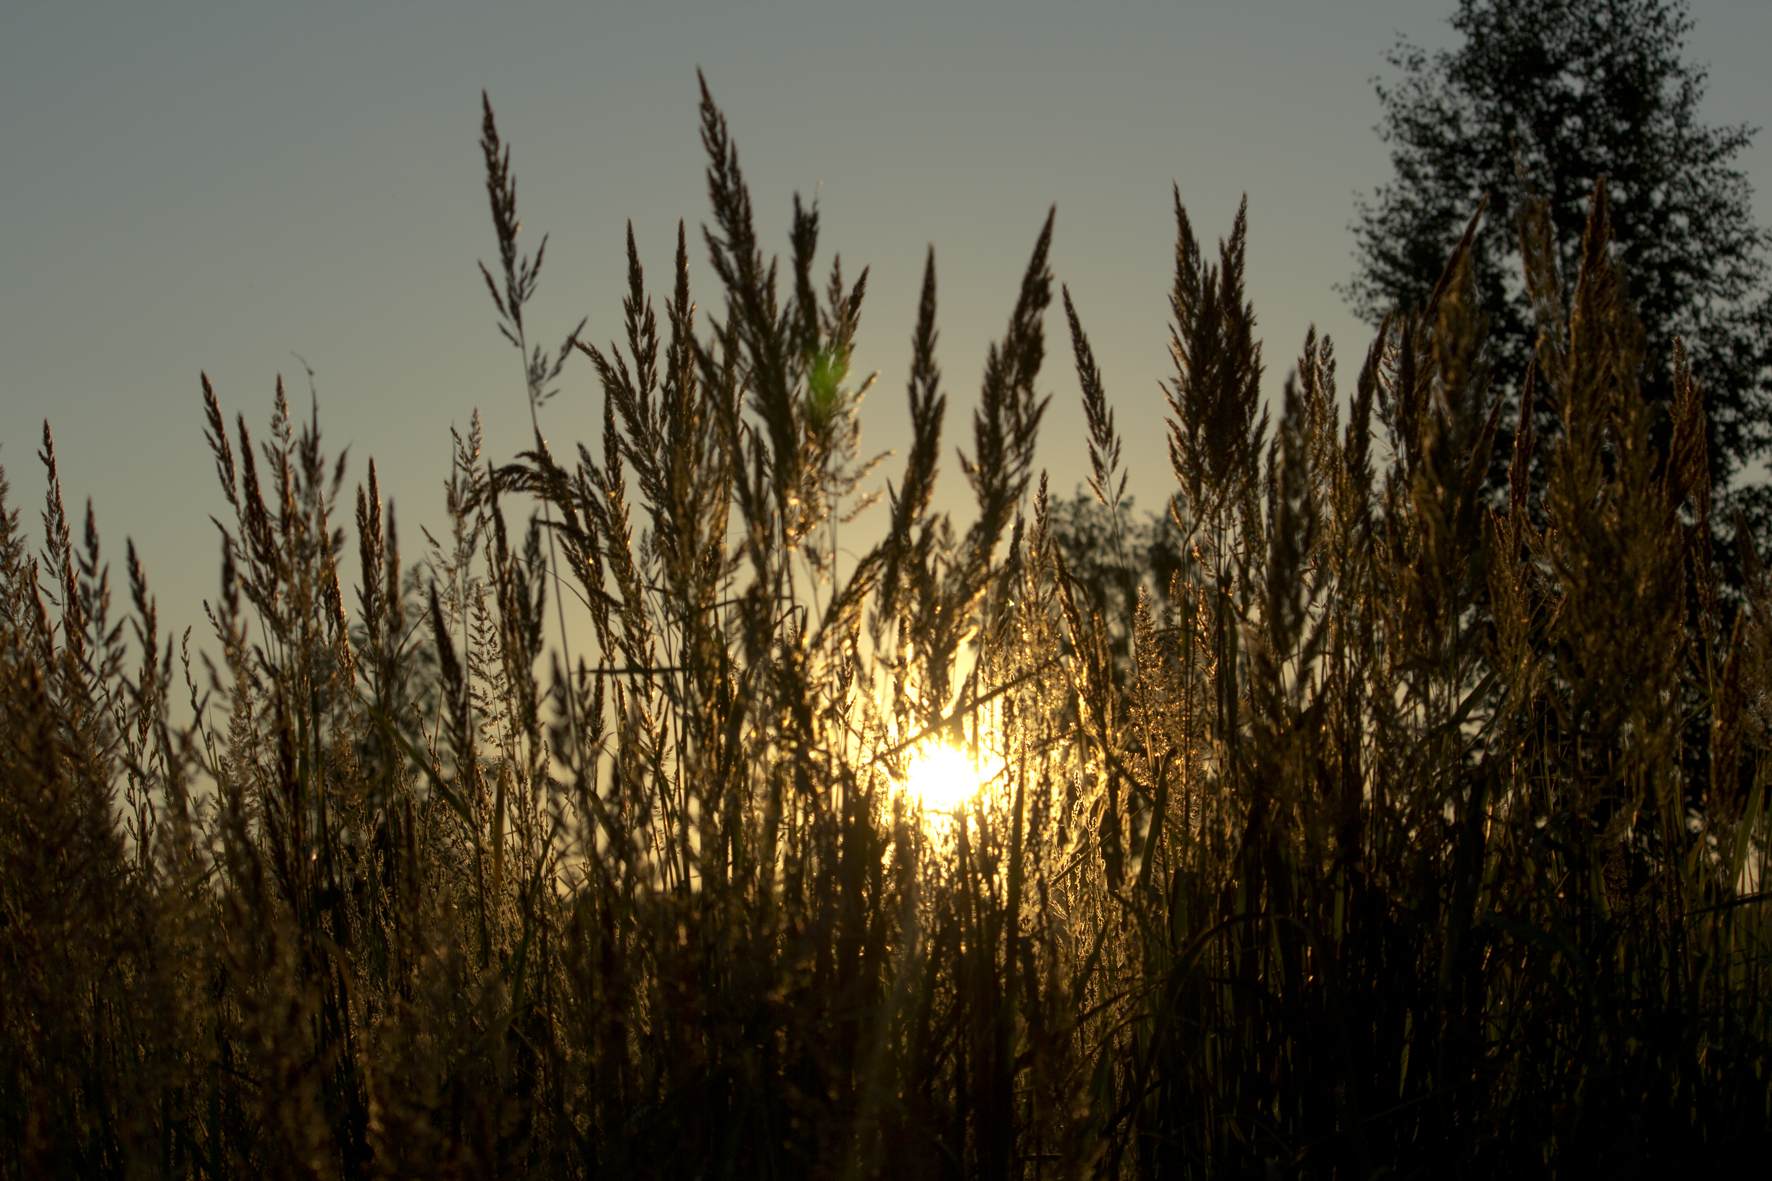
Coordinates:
<point>1396,831</point>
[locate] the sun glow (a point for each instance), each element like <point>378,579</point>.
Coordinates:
<point>940,777</point>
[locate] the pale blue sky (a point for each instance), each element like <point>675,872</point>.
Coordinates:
<point>216,188</point>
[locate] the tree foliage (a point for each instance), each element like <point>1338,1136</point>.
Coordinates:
<point>1542,100</point>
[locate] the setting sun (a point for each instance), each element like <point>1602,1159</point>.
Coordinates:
<point>940,776</point>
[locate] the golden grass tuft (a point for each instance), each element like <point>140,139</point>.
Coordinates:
<point>1343,822</point>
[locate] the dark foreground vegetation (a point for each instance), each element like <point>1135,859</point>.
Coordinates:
<point>1408,833</point>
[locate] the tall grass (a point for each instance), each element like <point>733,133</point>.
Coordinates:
<point>1396,832</point>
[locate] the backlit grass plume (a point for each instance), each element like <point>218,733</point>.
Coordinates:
<point>1344,822</point>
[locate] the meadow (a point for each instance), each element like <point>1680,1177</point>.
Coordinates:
<point>1371,824</point>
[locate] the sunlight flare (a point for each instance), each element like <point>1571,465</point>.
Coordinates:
<point>940,776</point>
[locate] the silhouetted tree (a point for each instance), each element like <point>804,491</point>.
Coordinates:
<point>1543,98</point>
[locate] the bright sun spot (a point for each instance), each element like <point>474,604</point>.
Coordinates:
<point>940,776</point>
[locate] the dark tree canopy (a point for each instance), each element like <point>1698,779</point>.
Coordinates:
<point>1543,98</point>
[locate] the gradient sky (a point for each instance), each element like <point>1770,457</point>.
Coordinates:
<point>220,188</point>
